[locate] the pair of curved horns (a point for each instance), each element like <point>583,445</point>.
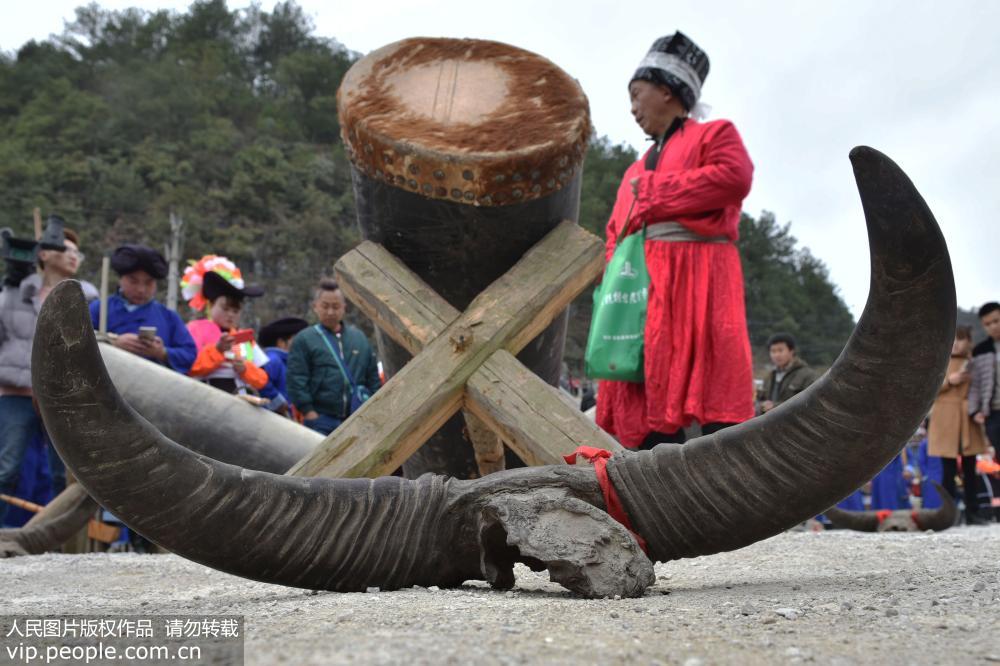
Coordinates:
<point>938,519</point>
<point>715,493</point>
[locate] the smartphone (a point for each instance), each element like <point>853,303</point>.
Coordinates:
<point>242,335</point>
<point>147,333</point>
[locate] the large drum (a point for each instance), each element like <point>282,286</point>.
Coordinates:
<point>465,153</point>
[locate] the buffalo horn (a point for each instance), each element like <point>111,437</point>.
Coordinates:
<point>940,518</point>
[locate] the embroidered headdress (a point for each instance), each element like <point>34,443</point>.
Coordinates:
<point>213,276</point>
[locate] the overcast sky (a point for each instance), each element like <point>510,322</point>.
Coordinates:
<point>803,81</point>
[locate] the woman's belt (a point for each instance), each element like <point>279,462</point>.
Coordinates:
<point>675,232</point>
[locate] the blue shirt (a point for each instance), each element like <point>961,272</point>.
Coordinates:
<point>181,350</point>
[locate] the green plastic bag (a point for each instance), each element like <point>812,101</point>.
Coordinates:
<point>617,327</point>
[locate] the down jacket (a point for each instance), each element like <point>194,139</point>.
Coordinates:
<point>984,367</point>
<point>19,307</point>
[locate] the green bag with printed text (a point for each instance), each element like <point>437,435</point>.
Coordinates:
<point>617,326</point>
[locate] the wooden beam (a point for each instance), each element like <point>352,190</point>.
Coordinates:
<point>487,446</point>
<point>411,313</point>
<point>528,414</point>
<point>541,429</point>
<point>427,391</point>
<point>405,307</point>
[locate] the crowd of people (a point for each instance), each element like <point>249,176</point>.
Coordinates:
<point>310,373</point>
<point>317,374</point>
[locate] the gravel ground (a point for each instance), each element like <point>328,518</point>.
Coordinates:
<point>828,598</point>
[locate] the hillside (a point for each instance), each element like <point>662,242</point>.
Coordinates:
<point>227,119</point>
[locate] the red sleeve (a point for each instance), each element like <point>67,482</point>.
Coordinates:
<point>723,179</point>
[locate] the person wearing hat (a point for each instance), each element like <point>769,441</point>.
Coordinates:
<point>688,191</point>
<point>214,286</point>
<point>57,258</point>
<point>134,307</point>
<point>276,339</point>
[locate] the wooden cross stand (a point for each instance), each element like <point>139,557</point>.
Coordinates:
<point>463,360</point>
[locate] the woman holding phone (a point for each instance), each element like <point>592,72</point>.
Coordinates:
<point>228,358</point>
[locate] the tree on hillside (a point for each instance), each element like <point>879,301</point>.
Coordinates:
<point>603,168</point>
<point>227,118</point>
<point>788,289</point>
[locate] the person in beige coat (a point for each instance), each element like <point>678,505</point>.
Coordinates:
<point>953,434</point>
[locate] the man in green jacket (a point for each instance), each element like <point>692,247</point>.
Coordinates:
<point>319,358</point>
<point>790,376</point>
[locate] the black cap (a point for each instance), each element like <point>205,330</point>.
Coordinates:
<point>280,329</point>
<point>695,62</point>
<point>131,258</point>
<point>214,285</point>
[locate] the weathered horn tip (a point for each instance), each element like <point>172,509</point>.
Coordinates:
<point>64,306</point>
<point>903,234</point>
<point>66,297</point>
<point>67,286</point>
<point>63,335</point>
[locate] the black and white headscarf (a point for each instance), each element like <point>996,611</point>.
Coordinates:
<point>676,62</point>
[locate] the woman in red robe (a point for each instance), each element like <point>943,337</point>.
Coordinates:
<point>688,189</point>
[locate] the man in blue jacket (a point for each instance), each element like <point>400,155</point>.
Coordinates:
<point>134,307</point>
<point>320,358</point>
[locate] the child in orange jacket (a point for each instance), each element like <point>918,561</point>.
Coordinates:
<point>214,285</point>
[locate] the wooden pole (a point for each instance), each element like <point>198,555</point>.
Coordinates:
<point>173,259</point>
<point>102,326</point>
<point>38,223</point>
<point>21,504</point>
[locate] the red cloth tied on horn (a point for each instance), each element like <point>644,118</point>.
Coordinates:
<point>612,502</point>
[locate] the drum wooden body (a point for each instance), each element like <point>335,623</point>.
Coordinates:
<point>465,153</point>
